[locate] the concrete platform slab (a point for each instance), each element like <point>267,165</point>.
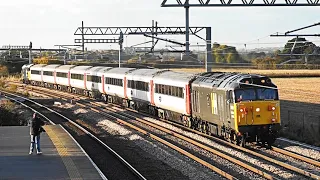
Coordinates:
<point>62,158</point>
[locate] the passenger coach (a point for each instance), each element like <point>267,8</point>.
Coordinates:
<point>238,107</point>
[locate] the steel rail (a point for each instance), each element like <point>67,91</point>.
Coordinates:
<point>282,164</point>
<point>296,156</point>
<point>287,166</point>
<point>140,176</point>
<point>229,158</point>
<point>210,166</point>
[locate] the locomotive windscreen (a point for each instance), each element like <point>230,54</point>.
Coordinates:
<point>254,94</point>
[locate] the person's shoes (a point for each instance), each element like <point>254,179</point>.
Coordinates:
<point>30,152</point>
<point>39,152</point>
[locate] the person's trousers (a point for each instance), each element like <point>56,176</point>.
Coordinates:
<point>35,140</point>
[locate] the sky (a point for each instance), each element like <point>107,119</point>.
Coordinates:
<point>50,22</point>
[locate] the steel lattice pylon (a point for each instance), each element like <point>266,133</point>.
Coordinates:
<point>230,3</point>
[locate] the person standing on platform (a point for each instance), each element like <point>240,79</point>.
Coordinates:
<point>35,129</point>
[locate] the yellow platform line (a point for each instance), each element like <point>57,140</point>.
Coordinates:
<point>64,154</point>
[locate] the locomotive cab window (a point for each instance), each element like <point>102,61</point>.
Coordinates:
<point>267,94</point>
<point>245,95</point>
<point>229,96</point>
<point>256,94</point>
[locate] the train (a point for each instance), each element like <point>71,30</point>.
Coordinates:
<point>239,107</point>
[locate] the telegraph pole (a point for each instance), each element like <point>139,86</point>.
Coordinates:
<point>120,47</point>
<point>30,49</point>
<point>187,28</point>
<point>82,39</point>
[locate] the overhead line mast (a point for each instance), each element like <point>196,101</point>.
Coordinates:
<point>230,3</point>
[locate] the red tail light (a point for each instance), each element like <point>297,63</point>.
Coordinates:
<point>244,110</point>
<point>271,108</point>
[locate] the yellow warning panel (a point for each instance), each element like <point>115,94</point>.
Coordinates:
<point>63,152</point>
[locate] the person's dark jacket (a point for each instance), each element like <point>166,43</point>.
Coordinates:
<point>35,125</point>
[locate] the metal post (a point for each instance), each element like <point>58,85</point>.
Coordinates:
<point>30,61</point>
<point>82,39</point>
<point>187,30</point>
<point>152,33</point>
<point>119,56</point>
<point>209,60</point>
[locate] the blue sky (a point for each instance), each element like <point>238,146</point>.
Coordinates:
<point>51,22</point>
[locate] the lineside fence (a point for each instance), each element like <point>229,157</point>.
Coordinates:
<point>301,122</point>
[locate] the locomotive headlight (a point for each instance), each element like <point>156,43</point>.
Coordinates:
<point>273,108</point>
<point>257,109</point>
<point>241,110</point>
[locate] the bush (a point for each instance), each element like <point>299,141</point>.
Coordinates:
<point>26,93</point>
<point>3,71</point>
<point>13,87</point>
<point>2,83</point>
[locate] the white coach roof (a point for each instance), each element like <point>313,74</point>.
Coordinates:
<point>51,67</point>
<point>145,72</point>
<point>38,66</point>
<point>65,67</point>
<point>120,70</point>
<point>177,76</point>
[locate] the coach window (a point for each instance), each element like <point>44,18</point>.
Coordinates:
<point>47,73</point>
<point>180,93</point>
<point>170,90</point>
<point>89,78</point>
<point>130,84</point>
<point>35,72</point>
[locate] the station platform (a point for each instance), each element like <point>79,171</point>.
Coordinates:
<point>62,157</point>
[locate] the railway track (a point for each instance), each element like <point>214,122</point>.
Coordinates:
<point>112,165</point>
<point>105,110</point>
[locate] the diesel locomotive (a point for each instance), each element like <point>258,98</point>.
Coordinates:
<point>239,107</point>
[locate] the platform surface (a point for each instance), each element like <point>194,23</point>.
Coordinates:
<point>62,158</point>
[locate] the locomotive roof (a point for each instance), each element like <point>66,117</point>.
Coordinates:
<point>228,80</point>
<point>27,66</point>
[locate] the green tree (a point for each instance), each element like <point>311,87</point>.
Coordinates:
<point>225,54</point>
